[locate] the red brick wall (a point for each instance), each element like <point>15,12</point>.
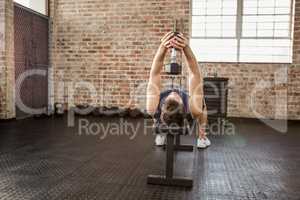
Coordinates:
<point>111,44</point>
<point>294,70</point>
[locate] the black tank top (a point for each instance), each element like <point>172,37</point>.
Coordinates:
<point>184,96</point>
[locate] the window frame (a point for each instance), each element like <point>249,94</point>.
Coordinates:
<point>239,29</point>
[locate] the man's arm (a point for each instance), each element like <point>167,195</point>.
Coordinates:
<point>196,89</point>
<point>154,84</point>
<point>195,82</point>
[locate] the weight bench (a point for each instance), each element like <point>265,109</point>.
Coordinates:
<point>168,179</point>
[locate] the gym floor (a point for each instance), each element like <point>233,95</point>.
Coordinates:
<point>44,159</point>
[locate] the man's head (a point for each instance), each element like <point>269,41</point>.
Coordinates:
<point>173,110</point>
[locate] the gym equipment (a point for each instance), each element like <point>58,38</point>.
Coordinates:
<point>59,109</point>
<point>135,112</point>
<point>82,109</point>
<point>216,97</point>
<point>168,179</point>
<point>96,112</point>
<point>174,68</point>
<point>116,111</point>
<point>123,112</point>
<point>109,111</point>
<point>146,115</point>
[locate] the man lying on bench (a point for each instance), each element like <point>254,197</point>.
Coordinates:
<point>169,107</point>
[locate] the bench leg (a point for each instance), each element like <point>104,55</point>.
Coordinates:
<point>180,147</point>
<point>169,180</point>
<point>176,181</point>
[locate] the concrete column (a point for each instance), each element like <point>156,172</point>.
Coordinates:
<point>7,63</point>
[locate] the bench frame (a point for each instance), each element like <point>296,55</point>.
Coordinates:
<point>173,144</point>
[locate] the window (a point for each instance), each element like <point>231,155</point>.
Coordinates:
<point>39,6</point>
<point>242,30</point>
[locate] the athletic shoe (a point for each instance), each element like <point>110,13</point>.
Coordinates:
<point>207,142</point>
<point>160,140</point>
<point>201,143</point>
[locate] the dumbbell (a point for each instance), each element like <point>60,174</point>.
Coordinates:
<point>173,68</point>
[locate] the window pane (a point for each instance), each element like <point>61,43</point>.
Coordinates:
<point>214,31</point>
<point>265,25</point>
<point>266,50</point>
<point>229,11</point>
<point>272,18</point>
<point>217,50</point>
<point>266,3</point>
<point>198,24</point>
<point>199,4</point>
<point>216,11</point>
<point>282,10</point>
<point>250,3</point>
<point>250,11</point>
<point>214,4</point>
<point>284,26</point>
<point>198,11</point>
<point>281,33</point>
<point>282,18</point>
<point>283,3</point>
<point>229,4</point>
<point>265,33</point>
<point>265,29</point>
<point>199,7</point>
<point>249,29</point>
<point>266,11</point>
<point>198,33</point>
<point>199,19</point>
<point>228,30</point>
<point>36,5</point>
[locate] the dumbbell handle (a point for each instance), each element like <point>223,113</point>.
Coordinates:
<point>173,55</point>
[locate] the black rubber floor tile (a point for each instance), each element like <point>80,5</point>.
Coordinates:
<point>103,191</point>
<point>44,159</point>
<point>149,192</point>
